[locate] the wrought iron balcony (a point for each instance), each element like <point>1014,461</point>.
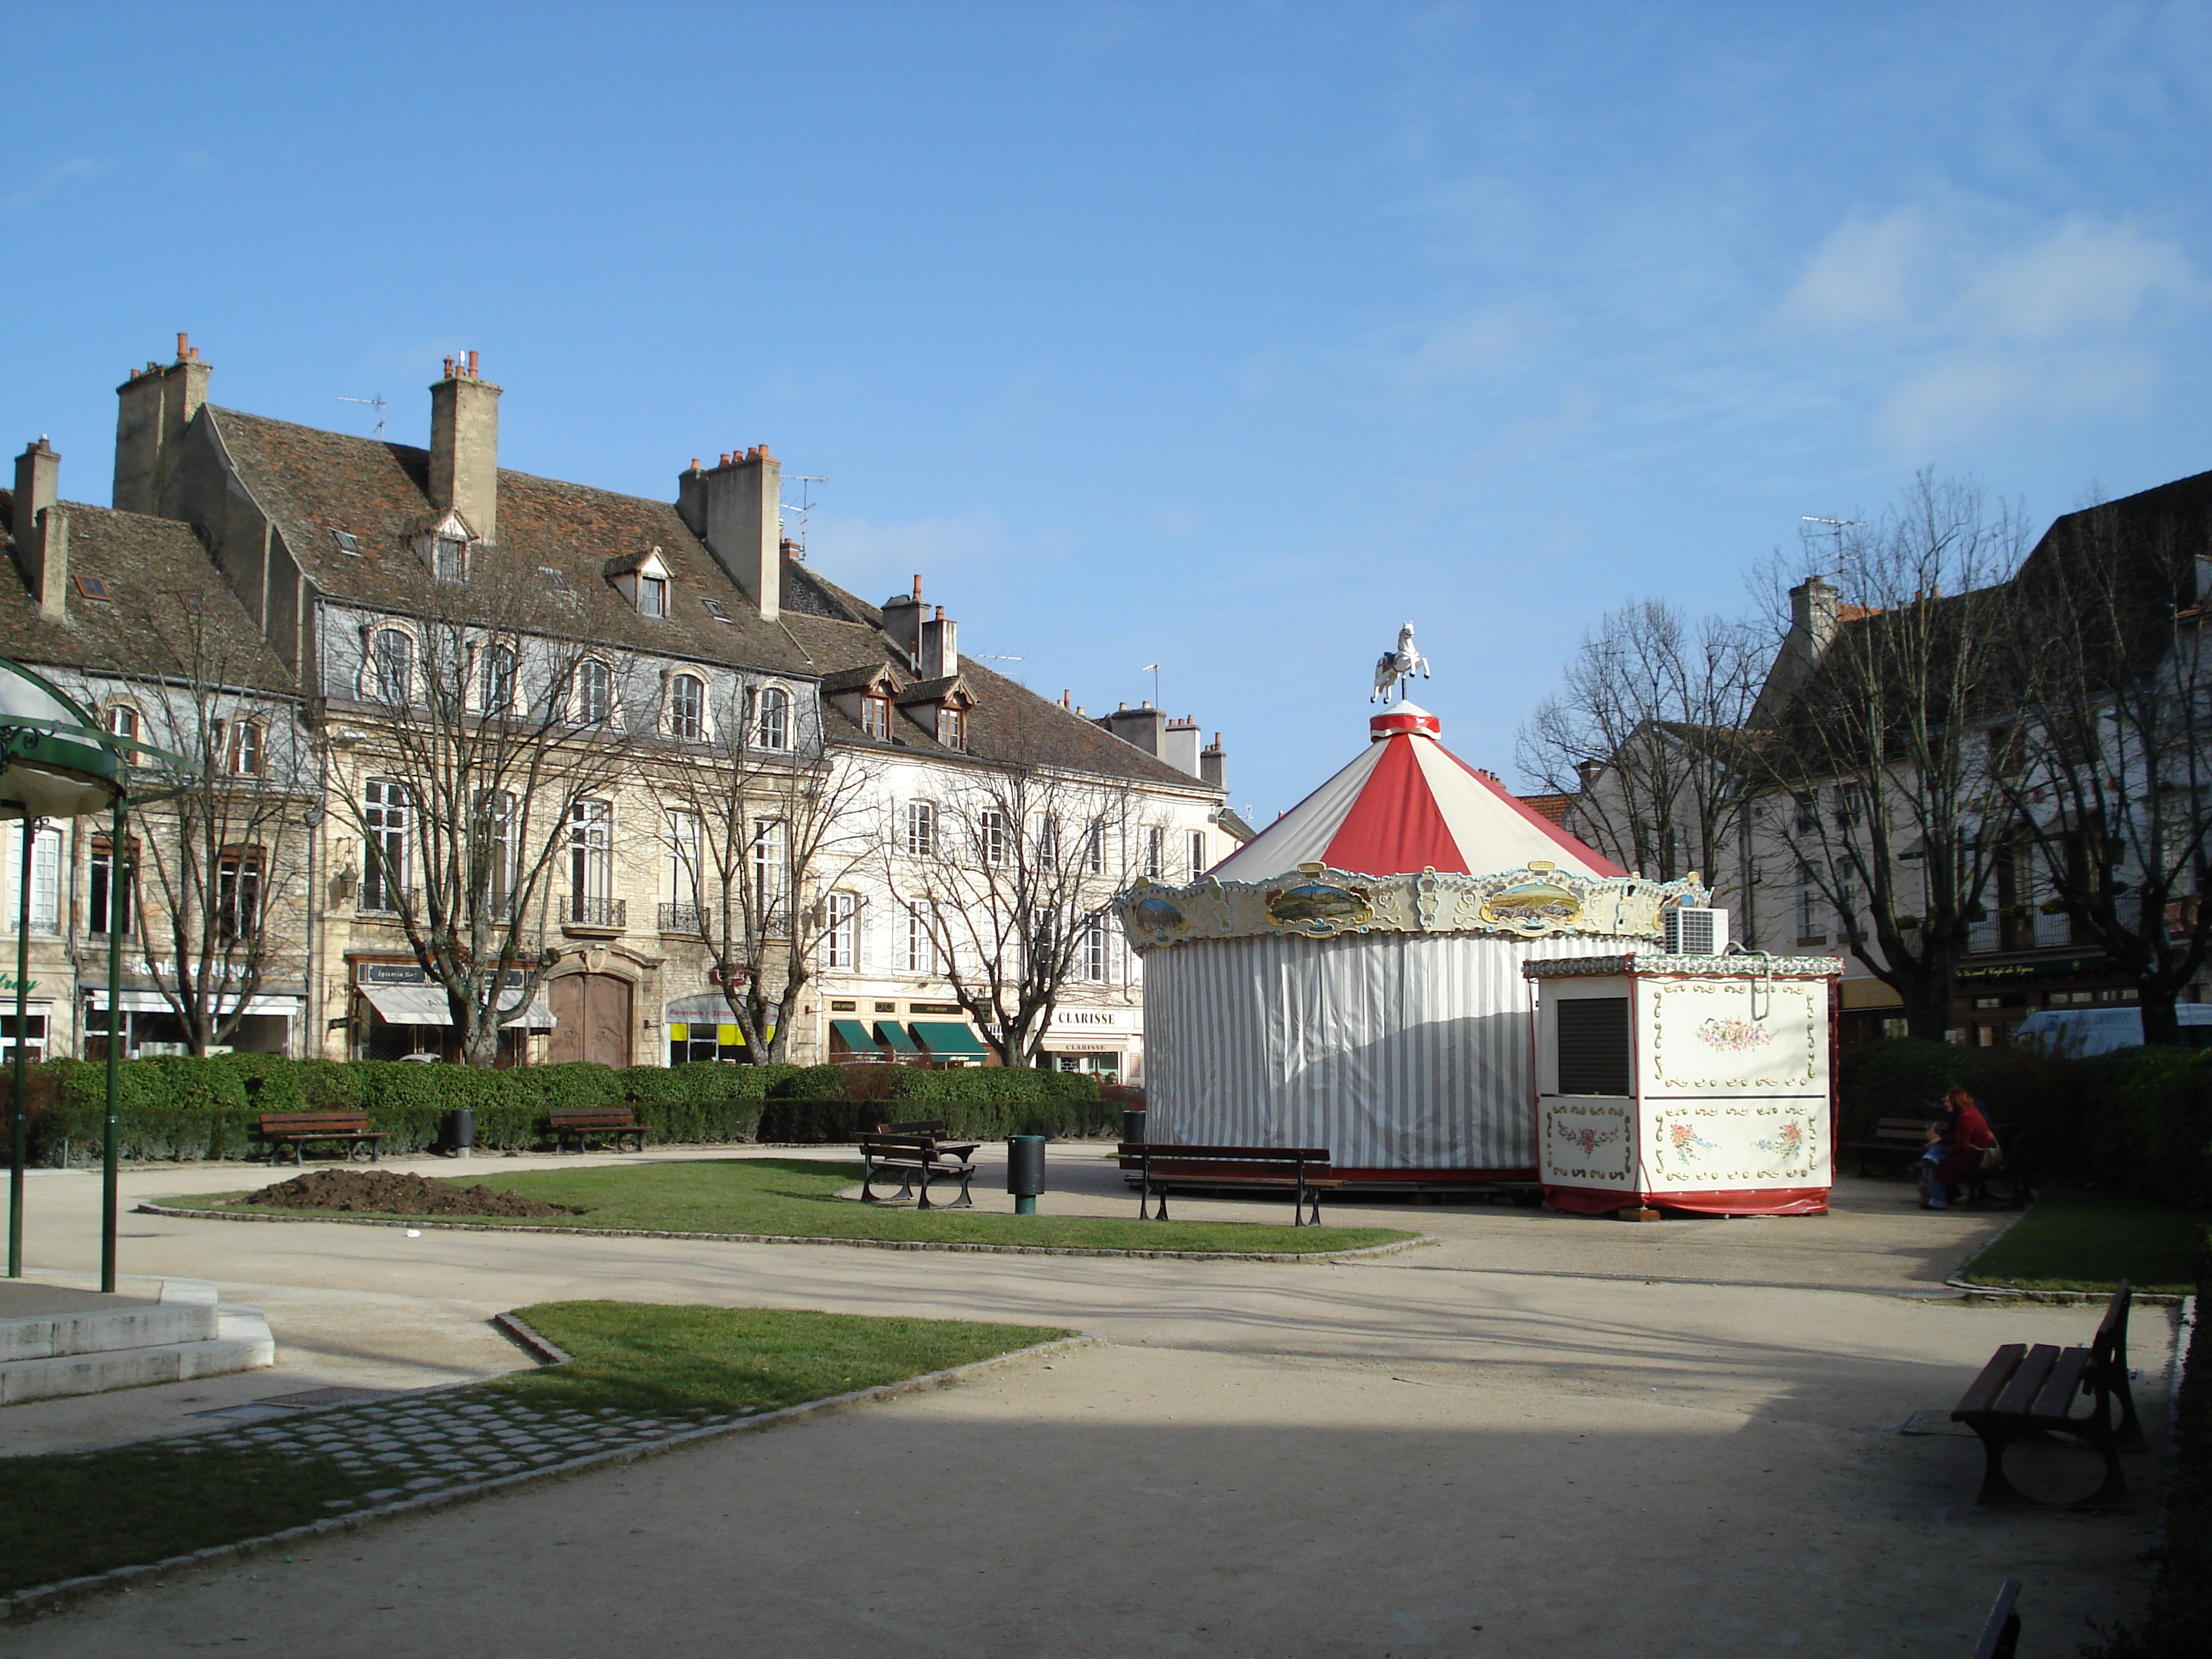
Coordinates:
<point>584,910</point>
<point>682,919</point>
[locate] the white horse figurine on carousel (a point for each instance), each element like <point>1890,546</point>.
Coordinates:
<point>1394,667</point>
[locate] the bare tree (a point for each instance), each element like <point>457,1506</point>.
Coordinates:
<point>2113,802</point>
<point>1646,738</point>
<point>763,827</point>
<point>1882,754</point>
<point>482,807</point>
<point>211,881</point>
<point>1008,879</point>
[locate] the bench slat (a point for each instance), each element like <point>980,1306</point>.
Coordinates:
<point>2027,1382</point>
<point>2054,1400</point>
<point>311,1123</point>
<point>1982,1394</point>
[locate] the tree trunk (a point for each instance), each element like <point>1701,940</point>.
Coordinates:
<point>2160,1024</point>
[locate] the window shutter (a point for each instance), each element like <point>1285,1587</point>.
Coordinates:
<point>1592,1039</point>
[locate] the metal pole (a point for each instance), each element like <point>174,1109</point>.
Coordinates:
<point>121,902</point>
<point>18,1134</point>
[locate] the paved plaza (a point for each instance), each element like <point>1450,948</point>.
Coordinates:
<point>1672,1438</point>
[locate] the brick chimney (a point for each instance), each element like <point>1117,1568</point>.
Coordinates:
<point>153,408</point>
<point>42,528</point>
<point>741,493</point>
<point>465,446</point>
<point>903,622</point>
<point>1213,764</point>
<point>940,648</point>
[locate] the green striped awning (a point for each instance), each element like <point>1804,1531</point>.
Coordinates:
<point>893,1037</point>
<point>949,1041</point>
<point>853,1034</point>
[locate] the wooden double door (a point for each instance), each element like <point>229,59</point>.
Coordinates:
<point>593,1018</point>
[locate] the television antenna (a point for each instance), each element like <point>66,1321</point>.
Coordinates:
<point>1153,668</point>
<point>378,401</point>
<point>805,507</point>
<point>1837,526</point>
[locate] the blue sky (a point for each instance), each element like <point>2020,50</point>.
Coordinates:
<point>1223,336</point>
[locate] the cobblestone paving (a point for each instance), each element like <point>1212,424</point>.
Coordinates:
<point>429,1443</point>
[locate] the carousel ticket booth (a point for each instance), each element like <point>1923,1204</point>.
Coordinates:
<point>1696,1083</point>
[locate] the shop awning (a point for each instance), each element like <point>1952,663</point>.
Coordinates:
<point>425,1004</point>
<point>893,1037</point>
<point>153,1002</point>
<point>853,1034</point>
<point>949,1041</point>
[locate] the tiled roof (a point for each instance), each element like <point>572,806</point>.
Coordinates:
<point>313,484</point>
<point>1554,807</point>
<point>155,570</point>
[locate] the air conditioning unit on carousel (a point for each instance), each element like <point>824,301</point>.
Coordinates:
<point>1695,933</point>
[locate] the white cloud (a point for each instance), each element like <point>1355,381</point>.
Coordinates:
<point>1968,391</point>
<point>1478,343</point>
<point>2081,277</point>
<point>1863,275</point>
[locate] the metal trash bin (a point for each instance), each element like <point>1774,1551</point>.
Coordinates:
<point>1132,1123</point>
<point>1026,1171</point>
<point>461,1131</point>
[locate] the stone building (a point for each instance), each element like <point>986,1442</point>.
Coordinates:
<point>368,604</point>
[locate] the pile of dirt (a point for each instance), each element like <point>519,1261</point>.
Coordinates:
<point>381,1192</point>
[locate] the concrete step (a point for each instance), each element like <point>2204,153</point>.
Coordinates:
<point>117,1326</point>
<point>62,1339</point>
<point>238,1341</point>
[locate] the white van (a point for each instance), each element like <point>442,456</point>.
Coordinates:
<point>2100,1030</point>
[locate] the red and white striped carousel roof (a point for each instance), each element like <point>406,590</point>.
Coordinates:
<point>1408,805</point>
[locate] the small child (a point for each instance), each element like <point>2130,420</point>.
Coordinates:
<point>1934,1195</point>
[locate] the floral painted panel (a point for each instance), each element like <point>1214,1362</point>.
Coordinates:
<point>1737,1144</point>
<point>1588,1143</point>
<point>1735,1036</point>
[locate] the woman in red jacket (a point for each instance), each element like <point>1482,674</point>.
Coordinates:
<point>1968,1136</point>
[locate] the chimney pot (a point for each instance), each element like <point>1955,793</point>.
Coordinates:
<point>472,365</point>
<point>917,589</point>
<point>940,613</point>
<point>695,463</point>
<point>184,347</point>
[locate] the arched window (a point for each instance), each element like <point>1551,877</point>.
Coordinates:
<point>595,692</point>
<point>687,708</point>
<point>496,689</point>
<point>122,720</point>
<point>392,654</point>
<point>772,718</point>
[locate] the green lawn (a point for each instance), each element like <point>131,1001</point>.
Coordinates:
<point>797,1198</point>
<point>2075,1239</point>
<point>68,1514</point>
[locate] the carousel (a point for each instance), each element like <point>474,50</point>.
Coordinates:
<point>1351,978</point>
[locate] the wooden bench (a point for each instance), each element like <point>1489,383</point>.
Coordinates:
<point>580,1123</point>
<point>2027,1390</point>
<point>1897,1142</point>
<point>1303,1169</point>
<point>907,1150</point>
<point>297,1129</point>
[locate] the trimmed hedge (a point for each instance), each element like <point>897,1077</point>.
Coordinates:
<point>179,1106</point>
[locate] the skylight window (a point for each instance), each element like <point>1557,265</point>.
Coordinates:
<point>194,605</point>
<point>553,579</point>
<point>715,610</point>
<point>348,542</point>
<point>94,588</point>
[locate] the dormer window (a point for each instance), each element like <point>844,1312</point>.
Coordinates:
<point>951,726</point>
<point>643,578</point>
<point>444,549</point>
<point>876,718</point>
